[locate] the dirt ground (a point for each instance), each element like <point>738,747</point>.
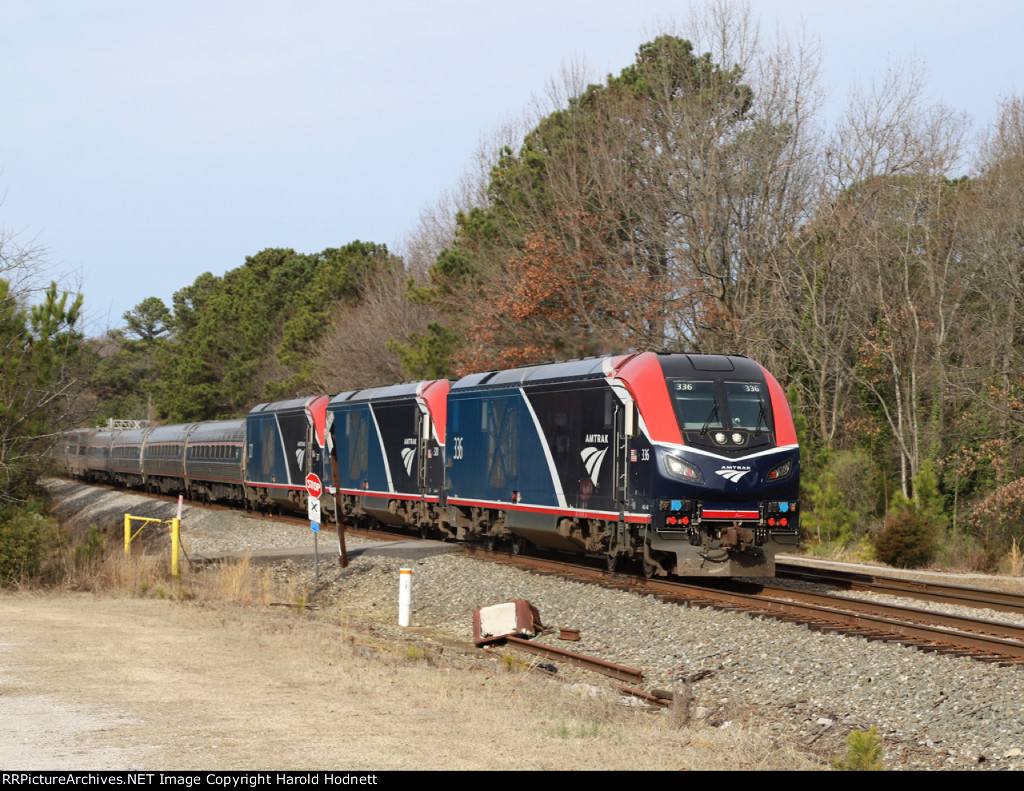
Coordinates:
<point>92,682</point>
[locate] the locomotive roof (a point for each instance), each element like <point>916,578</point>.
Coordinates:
<point>597,367</point>
<point>284,406</point>
<point>406,389</point>
<point>709,364</point>
<point>588,368</point>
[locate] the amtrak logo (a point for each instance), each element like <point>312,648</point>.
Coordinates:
<point>592,458</point>
<point>732,474</point>
<point>408,454</point>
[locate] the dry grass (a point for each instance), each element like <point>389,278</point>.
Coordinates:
<point>487,711</point>
<point>1013,563</point>
<point>488,707</point>
<point>106,569</point>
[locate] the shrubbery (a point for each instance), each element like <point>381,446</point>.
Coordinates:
<point>839,495</point>
<point>999,518</point>
<point>25,535</point>
<point>910,535</point>
<point>863,753</point>
<point>908,539</point>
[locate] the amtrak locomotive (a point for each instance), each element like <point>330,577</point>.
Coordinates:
<point>686,464</point>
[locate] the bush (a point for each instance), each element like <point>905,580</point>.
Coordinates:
<point>863,753</point>
<point>24,538</point>
<point>909,537</point>
<point>999,517</point>
<point>840,496</point>
<point>88,554</point>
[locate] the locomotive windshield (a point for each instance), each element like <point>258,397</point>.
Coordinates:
<point>696,403</point>
<point>704,405</point>
<point>747,408</point>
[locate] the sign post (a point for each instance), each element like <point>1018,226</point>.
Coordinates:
<point>313,490</point>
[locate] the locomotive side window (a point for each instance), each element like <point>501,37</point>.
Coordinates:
<point>358,439</point>
<point>503,442</point>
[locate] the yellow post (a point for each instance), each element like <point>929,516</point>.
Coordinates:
<point>127,535</point>
<point>175,524</point>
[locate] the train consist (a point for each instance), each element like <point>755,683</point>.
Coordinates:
<point>686,464</point>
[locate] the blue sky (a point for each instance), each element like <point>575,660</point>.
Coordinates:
<point>143,143</point>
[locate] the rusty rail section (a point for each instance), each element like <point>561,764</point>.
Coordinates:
<point>620,672</point>
<point>920,628</point>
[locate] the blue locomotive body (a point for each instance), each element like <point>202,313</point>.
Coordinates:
<point>388,442</point>
<point>687,464</point>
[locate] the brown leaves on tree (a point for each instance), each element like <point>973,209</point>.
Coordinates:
<point>561,297</point>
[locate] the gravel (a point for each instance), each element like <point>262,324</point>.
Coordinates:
<point>932,711</point>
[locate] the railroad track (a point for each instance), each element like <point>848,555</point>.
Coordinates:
<point>927,630</point>
<point>962,595</point>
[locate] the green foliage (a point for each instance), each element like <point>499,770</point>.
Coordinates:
<point>840,492</point>
<point>338,274</point>
<point>148,320</point>
<point>25,534</point>
<point>571,190</point>
<point>427,355</point>
<point>40,359</point>
<point>124,377</point>
<point>910,536</point>
<point>90,552</point>
<point>931,503</point>
<point>247,336</point>
<point>863,753</point>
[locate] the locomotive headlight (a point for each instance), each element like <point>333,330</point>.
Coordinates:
<point>737,438</point>
<point>780,472</point>
<point>681,469</point>
<point>720,437</point>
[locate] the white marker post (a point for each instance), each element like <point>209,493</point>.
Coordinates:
<point>404,596</point>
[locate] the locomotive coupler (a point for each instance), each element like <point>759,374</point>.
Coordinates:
<point>736,537</point>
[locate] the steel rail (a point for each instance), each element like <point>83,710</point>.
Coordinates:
<point>818,611</point>
<point>620,672</point>
<point>999,629</point>
<point>878,624</point>
<point>963,595</point>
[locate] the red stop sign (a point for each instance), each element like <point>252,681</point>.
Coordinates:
<point>313,485</point>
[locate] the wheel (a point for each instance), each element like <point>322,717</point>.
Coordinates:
<point>490,542</point>
<point>518,543</point>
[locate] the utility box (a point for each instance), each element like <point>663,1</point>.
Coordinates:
<point>515,618</point>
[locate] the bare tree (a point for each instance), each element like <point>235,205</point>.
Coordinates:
<point>879,273</point>
<point>998,244</point>
<point>357,351</point>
